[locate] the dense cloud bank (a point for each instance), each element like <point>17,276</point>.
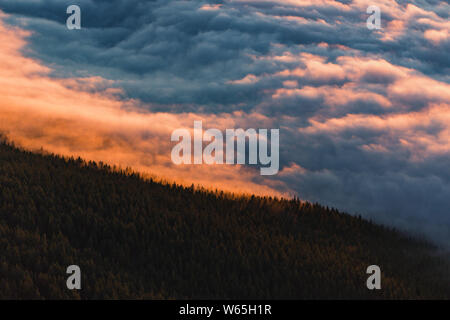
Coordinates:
<point>364,114</point>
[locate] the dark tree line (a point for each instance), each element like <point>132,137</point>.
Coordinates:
<point>138,238</point>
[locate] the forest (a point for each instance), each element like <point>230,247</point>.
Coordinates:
<point>138,238</point>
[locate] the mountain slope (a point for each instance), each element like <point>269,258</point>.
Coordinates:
<point>141,239</point>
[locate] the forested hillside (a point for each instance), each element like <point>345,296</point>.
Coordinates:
<point>134,238</point>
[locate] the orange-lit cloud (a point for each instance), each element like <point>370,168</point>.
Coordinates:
<point>210,7</point>
<point>408,130</point>
<point>61,116</point>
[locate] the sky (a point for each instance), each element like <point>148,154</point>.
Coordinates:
<point>364,115</point>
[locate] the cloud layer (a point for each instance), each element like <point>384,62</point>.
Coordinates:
<point>364,115</point>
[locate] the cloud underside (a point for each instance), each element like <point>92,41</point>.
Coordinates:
<point>364,116</point>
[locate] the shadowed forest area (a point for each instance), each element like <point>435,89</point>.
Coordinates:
<point>138,238</point>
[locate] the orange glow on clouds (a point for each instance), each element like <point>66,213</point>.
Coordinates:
<point>60,116</point>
